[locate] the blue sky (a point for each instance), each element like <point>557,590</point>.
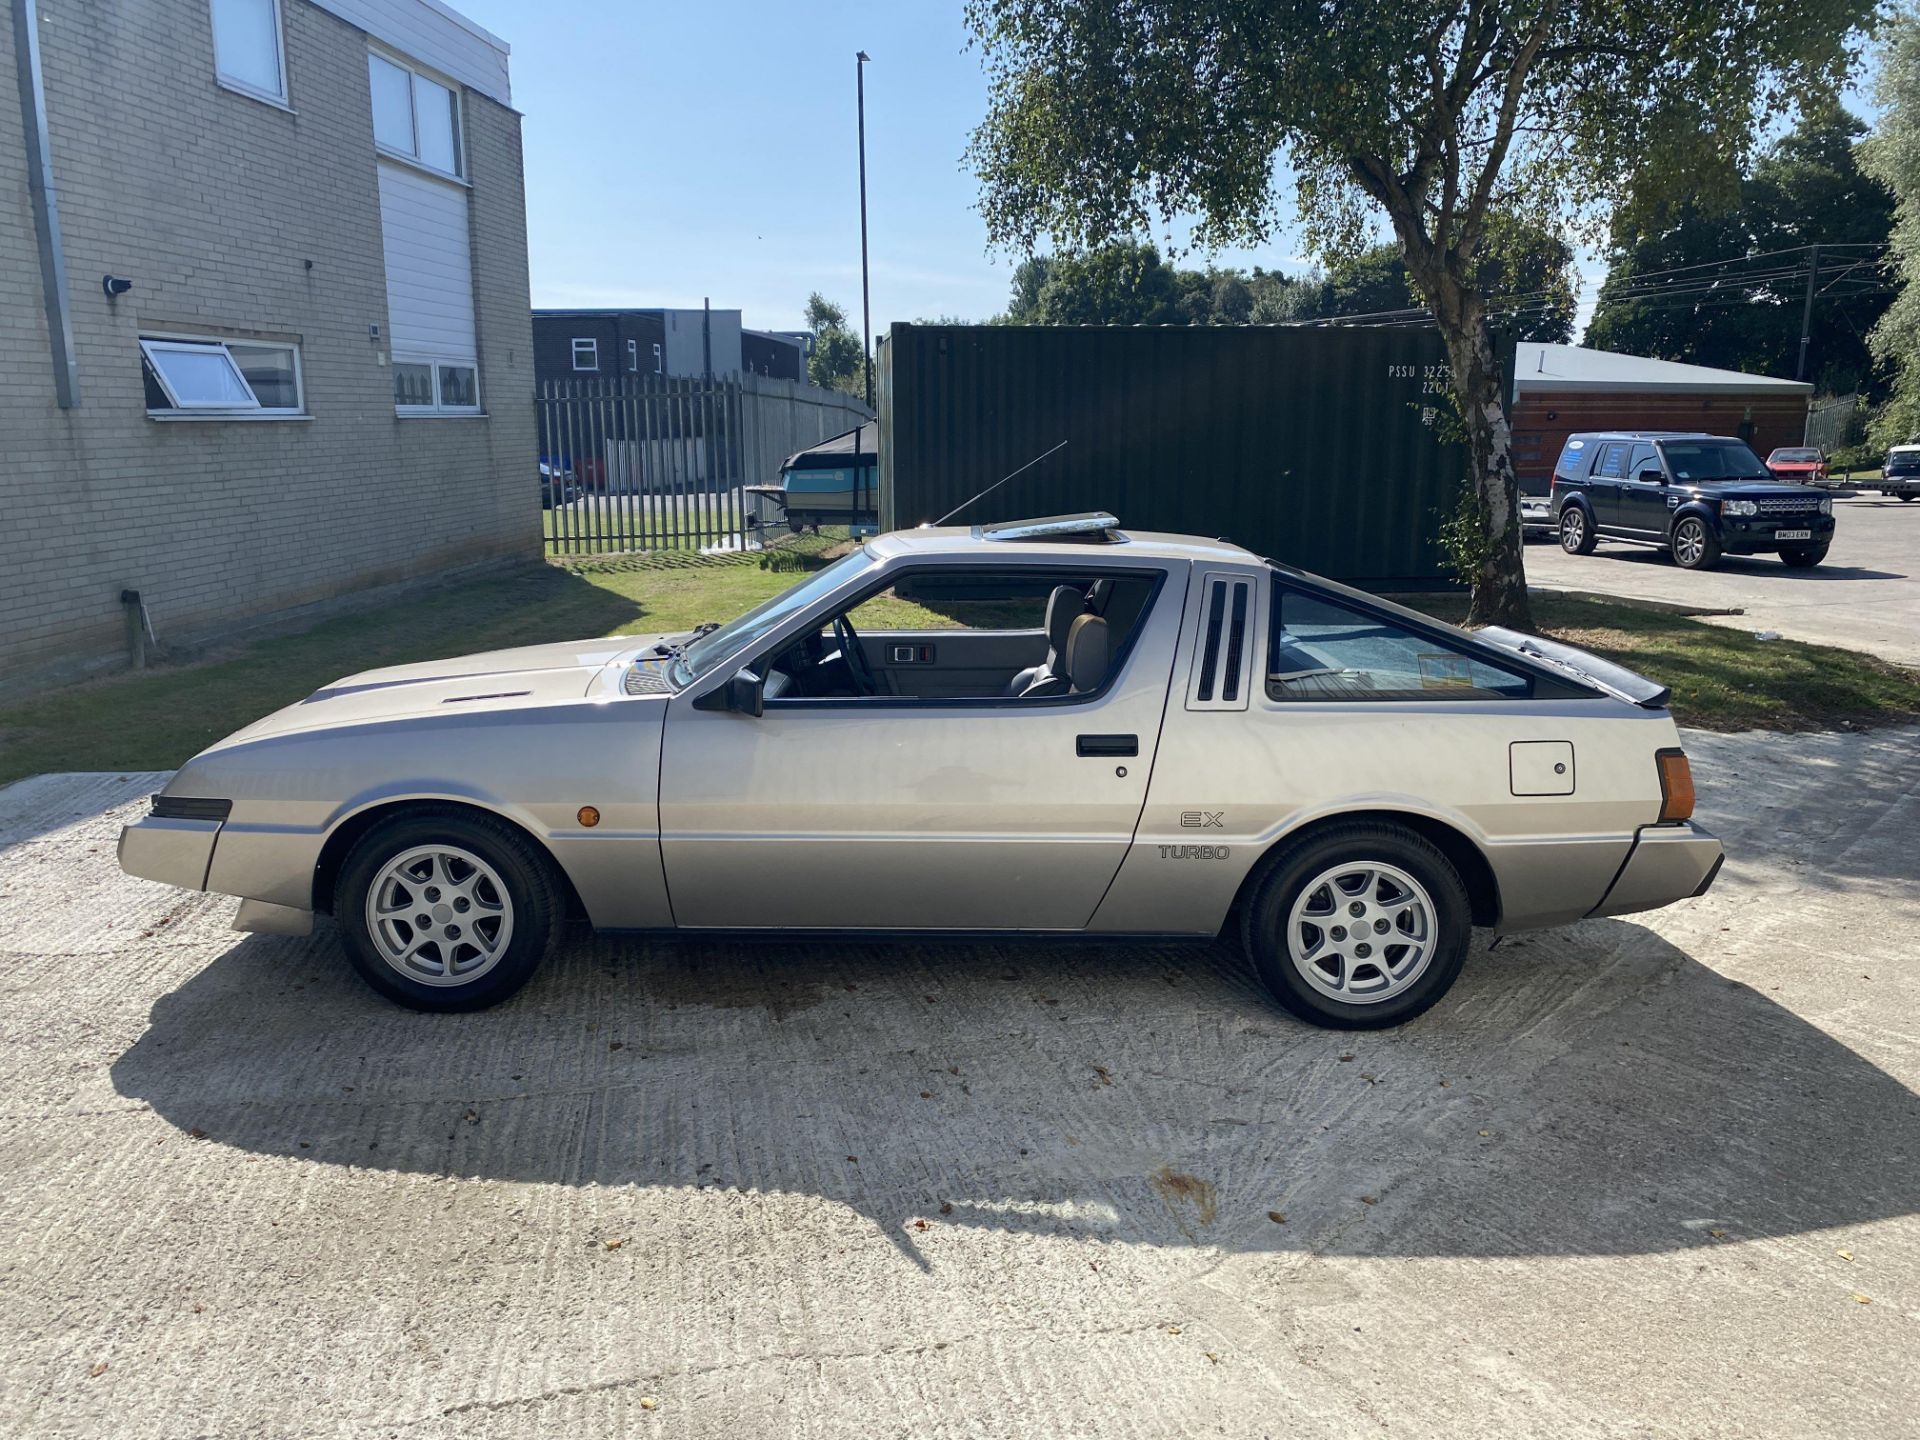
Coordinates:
<point>676,151</point>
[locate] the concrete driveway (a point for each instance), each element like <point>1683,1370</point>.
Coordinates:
<point>1865,597</point>
<point>1655,1176</point>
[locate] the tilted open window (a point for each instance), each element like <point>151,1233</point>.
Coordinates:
<point>213,378</point>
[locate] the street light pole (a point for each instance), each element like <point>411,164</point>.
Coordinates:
<point>860,62</point>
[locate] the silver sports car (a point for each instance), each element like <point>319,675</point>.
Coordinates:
<point>1051,727</point>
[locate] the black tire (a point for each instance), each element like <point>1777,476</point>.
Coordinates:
<point>1906,497</point>
<point>1695,544</point>
<point>1799,559</point>
<point>1577,533</point>
<point>525,875</point>
<point>1290,875</point>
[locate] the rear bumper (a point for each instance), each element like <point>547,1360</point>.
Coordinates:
<point>174,852</point>
<point>1667,863</point>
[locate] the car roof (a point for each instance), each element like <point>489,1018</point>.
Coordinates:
<point>1649,435</point>
<point>1892,448</point>
<point>1134,544</point>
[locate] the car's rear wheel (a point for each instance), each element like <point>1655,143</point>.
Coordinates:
<point>1695,546</point>
<point>1803,559</point>
<point>1577,535</point>
<point>1359,927</point>
<point>446,910</point>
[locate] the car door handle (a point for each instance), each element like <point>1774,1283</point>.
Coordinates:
<point>1085,745</point>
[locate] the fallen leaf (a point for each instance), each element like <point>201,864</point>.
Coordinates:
<point>1173,1329</point>
<point>649,1402</point>
<point>618,1045</point>
<point>946,1207</point>
<point>615,1244</point>
<point>853,1159</point>
<point>1213,1357</point>
<point>98,1370</point>
<point>1106,1078</point>
<point>1345,1058</point>
<point>1716,1234</point>
<point>196,1133</point>
<point>919,1224</point>
<point>1485,1133</point>
<point>1276,1217</point>
<point>1369,1199</point>
<point>1863,1299</point>
<point>926,1094</point>
<point>1846,1255</point>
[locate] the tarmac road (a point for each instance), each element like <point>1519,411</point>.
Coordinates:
<point>1655,1176</point>
<point>1866,596</point>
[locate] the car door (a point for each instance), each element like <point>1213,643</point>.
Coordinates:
<point>1642,504</point>
<point>899,812</point>
<point>1603,487</point>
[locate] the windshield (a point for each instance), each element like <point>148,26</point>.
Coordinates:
<point>1698,460</point>
<point>1902,462</point>
<point>710,649</point>
<point>1796,457</point>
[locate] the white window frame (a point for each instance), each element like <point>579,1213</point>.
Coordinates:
<point>202,410</point>
<point>659,359</point>
<point>433,364</point>
<point>633,356</point>
<point>241,87</point>
<point>593,348</point>
<point>412,157</point>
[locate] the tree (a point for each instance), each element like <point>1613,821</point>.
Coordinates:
<point>1721,281</point>
<point>1892,156</point>
<point>1120,284</point>
<point>1104,121</point>
<point>836,360</point>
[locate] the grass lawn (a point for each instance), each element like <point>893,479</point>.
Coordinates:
<point>1722,678</point>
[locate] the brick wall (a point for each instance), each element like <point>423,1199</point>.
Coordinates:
<point>232,216</point>
<point>1542,421</point>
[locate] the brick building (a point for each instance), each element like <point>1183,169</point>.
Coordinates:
<point>314,376</point>
<point>1561,389</point>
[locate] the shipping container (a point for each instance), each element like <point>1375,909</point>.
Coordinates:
<point>1327,448</point>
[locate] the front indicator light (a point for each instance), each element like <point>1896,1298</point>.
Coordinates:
<point>1676,786</point>
<point>1826,504</point>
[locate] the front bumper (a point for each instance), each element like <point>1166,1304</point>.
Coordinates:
<point>1755,535</point>
<point>1667,863</point>
<point>174,852</point>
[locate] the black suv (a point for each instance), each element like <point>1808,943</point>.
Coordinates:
<point>1697,496</point>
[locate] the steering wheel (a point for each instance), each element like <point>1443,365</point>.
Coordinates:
<point>858,667</point>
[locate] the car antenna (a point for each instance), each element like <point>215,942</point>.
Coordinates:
<point>998,483</point>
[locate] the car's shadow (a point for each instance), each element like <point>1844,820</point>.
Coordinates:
<point>1590,1091</point>
<point>1754,565</point>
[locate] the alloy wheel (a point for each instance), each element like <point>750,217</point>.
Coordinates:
<point>1361,932</point>
<point>439,915</point>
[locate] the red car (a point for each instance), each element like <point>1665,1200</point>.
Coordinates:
<point>1800,462</point>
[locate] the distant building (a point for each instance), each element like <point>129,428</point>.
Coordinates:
<point>573,345</point>
<point>263,314</point>
<point>1560,389</point>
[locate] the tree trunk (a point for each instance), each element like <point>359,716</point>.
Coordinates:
<point>1499,577</point>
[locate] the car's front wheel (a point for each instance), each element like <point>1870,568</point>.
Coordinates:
<point>1577,535</point>
<point>1359,927</point>
<point>1803,558</point>
<point>1695,546</point>
<point>444,909</point>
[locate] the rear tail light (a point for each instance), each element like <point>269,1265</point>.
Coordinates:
<point>1676,786</point>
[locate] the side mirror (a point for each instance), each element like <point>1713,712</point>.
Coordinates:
<point>1652,475</point>
<point>743,694</point>
<point>747,694</point>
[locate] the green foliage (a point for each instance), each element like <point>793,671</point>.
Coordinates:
<point>1892,156</point>
<point>1108,121</point>
<point>835,362</point>
<point>1808,188</point>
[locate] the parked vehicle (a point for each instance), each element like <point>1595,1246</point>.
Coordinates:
<point>1052,727</point>
<point>1900,474</point>
<point>1536,516</point>
<point>833,483</point>
<point>557,486</point>
<point>1804,463</point>
<point>1696,496</point>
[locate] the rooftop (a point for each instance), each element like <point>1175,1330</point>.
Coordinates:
<point>1561,368</point>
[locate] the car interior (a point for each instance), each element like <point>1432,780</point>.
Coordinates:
<point>1029,635</point>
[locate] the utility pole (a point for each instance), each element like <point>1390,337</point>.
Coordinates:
<point>1806,311</point>
<point>860,63</point>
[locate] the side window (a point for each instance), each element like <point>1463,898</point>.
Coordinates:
<point>1572,464</point>
<point>1613,461</point>
<point>1322,650</point>
<point>1642,458</point>
<point>963,599</point>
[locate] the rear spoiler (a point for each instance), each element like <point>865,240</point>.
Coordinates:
<point>1616,680</point>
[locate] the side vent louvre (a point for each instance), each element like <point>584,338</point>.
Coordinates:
<point>1222,639</point>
